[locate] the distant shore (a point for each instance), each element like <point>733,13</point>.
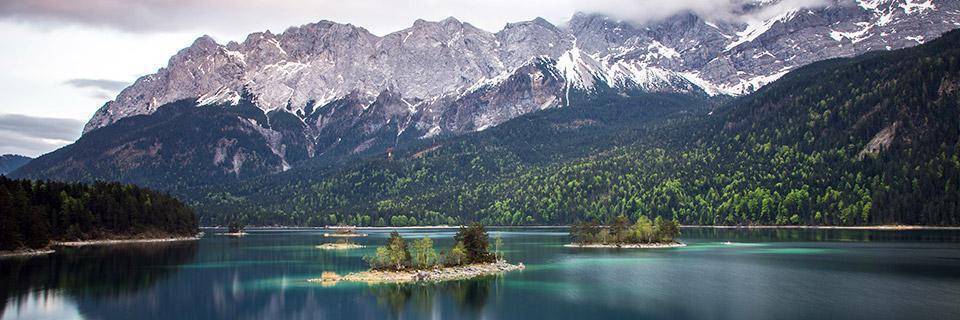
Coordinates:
<point>628,245</point>
<point>430,275</point>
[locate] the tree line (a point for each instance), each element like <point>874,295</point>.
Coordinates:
<point>34,213</point>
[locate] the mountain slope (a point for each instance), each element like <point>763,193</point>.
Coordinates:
<point>10,162</point>
<point>867,140</point>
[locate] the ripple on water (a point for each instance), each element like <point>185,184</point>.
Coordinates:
<point>792,251</point>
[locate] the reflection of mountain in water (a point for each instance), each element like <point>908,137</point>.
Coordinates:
<point>92,272</point>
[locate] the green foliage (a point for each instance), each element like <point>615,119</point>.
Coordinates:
<point>457,255</point>
<point>394,255</point>
<point>34,213</point>
<point>798,151</point>
<point>471,247</point>
<point>476,242</point>
<point>399,255</point>
<point>621,232</point>
<point>424,256</point>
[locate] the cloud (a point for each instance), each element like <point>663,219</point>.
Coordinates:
<point>238,17</point>
<point>98,88</point>
<point>33,136</point>
<point>101,84</point>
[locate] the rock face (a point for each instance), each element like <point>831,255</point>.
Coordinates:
<point>431,66</point>
<point>328,90</point>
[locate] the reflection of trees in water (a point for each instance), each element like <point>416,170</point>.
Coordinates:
<point>92,272</point>
<point>470,296</point>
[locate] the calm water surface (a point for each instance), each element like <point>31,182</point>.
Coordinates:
<point>764,274</point>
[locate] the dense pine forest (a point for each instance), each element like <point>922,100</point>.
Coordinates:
<point>857,141</point>
<point>34,213</point>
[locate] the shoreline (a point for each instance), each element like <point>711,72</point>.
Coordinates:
<point>24,253</point>
<point>420,276</point>
<point>628,245</point>
<point>74,244</point>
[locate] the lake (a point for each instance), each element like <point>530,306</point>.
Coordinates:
<point>761,274</point>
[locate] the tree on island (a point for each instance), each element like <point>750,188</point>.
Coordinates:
<point>457,255</point>
<point>476,241</point>
<point>424,256</point>
<point>471,247</point>
<point>235,227</point>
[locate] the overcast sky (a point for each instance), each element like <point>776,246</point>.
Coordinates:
<point>63,59</point>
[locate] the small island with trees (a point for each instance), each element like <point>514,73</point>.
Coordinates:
<point>235,229</point>
<point>659,233</point>
<point>398,262</point>
<point>340,244</point>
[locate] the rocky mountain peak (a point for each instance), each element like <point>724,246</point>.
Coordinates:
<point>446,67</point>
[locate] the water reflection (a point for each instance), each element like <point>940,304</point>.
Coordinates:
<point>421,301</point>
<point>89,273</point>
<point>783,274</point>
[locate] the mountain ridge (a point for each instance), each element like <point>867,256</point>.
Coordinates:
<point>321,62</point>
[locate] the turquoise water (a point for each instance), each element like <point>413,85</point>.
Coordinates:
<point>761,274</point>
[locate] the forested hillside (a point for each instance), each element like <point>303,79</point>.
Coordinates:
<point>867,140</point>
<point>34,213</point>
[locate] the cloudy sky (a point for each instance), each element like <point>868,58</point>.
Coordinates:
<point>63,59</point>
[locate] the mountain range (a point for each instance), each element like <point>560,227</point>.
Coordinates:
<point>225,122</point>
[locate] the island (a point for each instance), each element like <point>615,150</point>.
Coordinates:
<point>235,229</point>
<point>642,234</point>
<point>341,244</point>
<point>36,217</point>
<point>419,262</point>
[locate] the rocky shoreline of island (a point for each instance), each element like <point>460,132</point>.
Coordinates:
<point>437,274</point>
<point>339,246</point>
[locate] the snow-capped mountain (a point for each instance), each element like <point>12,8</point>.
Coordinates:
<point>337,88</point>
<point>431,66</point>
